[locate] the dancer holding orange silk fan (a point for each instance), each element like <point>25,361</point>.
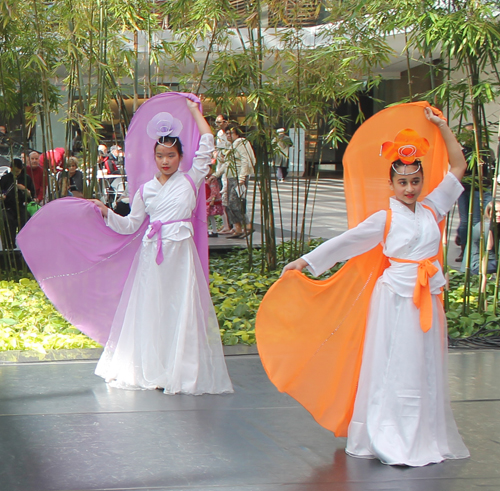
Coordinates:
<point>365,351</point>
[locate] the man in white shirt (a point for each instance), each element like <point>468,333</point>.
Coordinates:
<point>240,166</point>
<point>222,145</point>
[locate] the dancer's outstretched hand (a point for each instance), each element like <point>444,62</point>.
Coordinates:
<point>298,264</point>
<point>456,159</point>
<point>102,207</point>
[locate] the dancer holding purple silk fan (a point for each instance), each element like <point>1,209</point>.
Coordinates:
<point>165,333</point>
<point>138,284</point>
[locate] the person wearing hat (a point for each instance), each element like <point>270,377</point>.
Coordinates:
<point>116,155</point>
<point>16,191</point>
<point>104,160</point>
<point>282,144</point>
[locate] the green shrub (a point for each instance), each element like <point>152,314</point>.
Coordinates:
<point>28,321</point>
<point>237,293</point>
<point>460,325</point>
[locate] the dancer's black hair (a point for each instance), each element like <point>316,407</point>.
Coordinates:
<point>397,164</point>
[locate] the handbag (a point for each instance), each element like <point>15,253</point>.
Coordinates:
<point>32,207</point>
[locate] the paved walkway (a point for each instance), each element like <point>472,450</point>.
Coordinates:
<point>326,207</point>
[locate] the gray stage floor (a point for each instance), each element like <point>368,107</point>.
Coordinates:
<point>62,428</point>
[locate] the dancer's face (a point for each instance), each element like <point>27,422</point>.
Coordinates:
<point>167,161</point>
<point>407,189</point>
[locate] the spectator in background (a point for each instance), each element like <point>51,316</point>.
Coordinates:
<point>71,180</point>
<point>116,155</point>
<point>115,152</point>
<point>490,235</point>
<point>102,158</point>
<point>16,190</point>
<point>240,166</point>
<point>102,149</point>
<point>25,159</point>
<point>214,202</point>
<point>282,144</point>
<point>466,139</point>
<point>76,144</point>
<point>4,147</point>
<point>222,145</point>
<point>104,161</point>
<point>37,174</point>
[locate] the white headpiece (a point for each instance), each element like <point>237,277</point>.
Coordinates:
<point>163,124</point>
<point>405,167</point>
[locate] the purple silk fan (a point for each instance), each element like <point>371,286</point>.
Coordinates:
<point>79,262</point>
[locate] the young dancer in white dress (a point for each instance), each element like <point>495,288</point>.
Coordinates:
<point>165,332</point>
<point>402,412</point>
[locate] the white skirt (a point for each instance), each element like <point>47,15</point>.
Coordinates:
<point>165,332</point>
<point>402,413</point>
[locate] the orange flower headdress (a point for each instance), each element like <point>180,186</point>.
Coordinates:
<point>407,147</point>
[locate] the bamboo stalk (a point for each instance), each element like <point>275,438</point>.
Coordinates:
<point>205,65</point>
<point>408,69</point>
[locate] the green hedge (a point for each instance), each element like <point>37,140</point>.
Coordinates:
<point>460,325</point>
<point>28,321</point>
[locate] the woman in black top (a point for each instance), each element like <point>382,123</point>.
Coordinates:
<point>71,180</point>
<point>16,190</point>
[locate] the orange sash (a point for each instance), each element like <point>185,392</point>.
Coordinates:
<point>422,293</point>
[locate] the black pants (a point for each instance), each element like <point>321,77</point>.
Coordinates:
<point>9,225</point>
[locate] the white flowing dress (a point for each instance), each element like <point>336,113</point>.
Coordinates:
<point>402,413</point>
<point>165,332</point>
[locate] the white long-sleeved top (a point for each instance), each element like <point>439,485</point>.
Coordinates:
<point>221,141</point>
<point>222,145</point>
<point>413,236</point>
<point>174,200</point>
<point>241,159</point>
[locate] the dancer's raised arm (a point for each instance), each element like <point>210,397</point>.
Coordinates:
<point>201,122</point>
<point>458,165</point>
